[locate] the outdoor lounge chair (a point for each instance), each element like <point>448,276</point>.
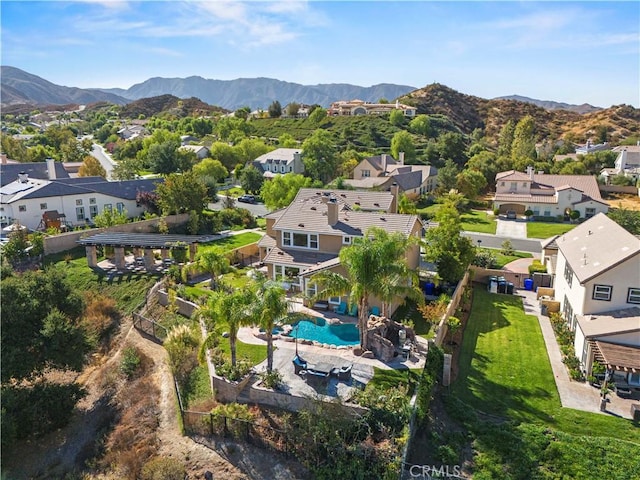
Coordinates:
<point>299,364</point>
<point>316,378</point>
<point>342,308</point>
<point>353,311</point>
<point>375,311</point>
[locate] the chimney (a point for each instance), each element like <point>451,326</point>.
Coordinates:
<point>332,211</point>
<point>394,191</point>
<point>530,171</point>
<point>51,168</point>
<point>383,162</point>
<point>401,158</point>
<point>23,177</point>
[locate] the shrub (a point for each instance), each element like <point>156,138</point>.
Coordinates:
<point>537,267</point>
<point>130,362</point>
<point>272,379</point>
<point>163,468</point>
<point>507,248</point>
<point>485,259</point>
<point>100,315</point>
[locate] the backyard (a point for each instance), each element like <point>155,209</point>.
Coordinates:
<point>505,395</point>
<point>546,230</point>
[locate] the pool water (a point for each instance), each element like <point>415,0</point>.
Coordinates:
<point>323,332</point>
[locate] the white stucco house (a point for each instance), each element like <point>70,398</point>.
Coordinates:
<point>279,162</point>
<point>548,195</point>
<point>75,201</point>
<point>627,163</point>
<point>200,150</point>
<point>598,287</point>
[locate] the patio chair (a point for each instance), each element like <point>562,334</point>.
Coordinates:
<point>342,308</point>
<point>345,373</point>
<point>299,364</point>
<point>375,311</point>
<point>353,311</point>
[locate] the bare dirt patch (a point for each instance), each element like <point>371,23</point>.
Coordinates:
<point>621,200</point>
<point>99,414</point>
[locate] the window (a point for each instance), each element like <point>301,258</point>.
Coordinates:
<point>43,206</point>
<point>602,292</point>
<point>524,184</point>
<point>536,211</point>
<point>547,213</point>
<point>79,201</point>
<point>334,300</point>
<point>286,239</point>
<point>22,208</point>
<point>120,207</point>
<point>313,241</point>
<point>567,309</point>
<point>300,240</point>
<point>282,168</point>
<point>93,210</point>
<point>589,212</point>
<point>633,295</point>
<point>80,214</point>
<point>366,173</point>
<point>92,201</point>
<point>514,185</point>
<point>312,289</point>
<point>346,240</point>
<point>502,184</point>
<point>568,274</point>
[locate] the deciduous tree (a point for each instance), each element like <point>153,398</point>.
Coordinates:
<point>181,193</point>
<point>91,167</point>
<point>282,189</point>
<point>320,156</point>
<point>402,142</point>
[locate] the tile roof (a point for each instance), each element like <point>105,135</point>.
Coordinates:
<point>9,171</point>
<point>607,323</point>
<point>368,201</point>
<point>297,257</point>
<point>513,197</point>
<point>286,154</point>
<point>513,175</point>
<point>376,161</point>
<point>310,216</point>
<point>597,245</point>
<point>587,184</point>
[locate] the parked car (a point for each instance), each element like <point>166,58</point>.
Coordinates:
<point>247,199</point>
<point>511,214</point>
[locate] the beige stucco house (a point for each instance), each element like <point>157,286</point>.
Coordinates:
<point>280,162</point>
<point>360,107</point>
<point>598,286</point>
<point>548,195</point>
<point>307,236</point>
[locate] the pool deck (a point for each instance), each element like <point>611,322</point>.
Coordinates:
<point>362,371</point>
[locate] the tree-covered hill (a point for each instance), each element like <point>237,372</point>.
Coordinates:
<point>170,105</point>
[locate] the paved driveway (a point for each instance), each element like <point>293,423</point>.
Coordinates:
<point>511,228</point>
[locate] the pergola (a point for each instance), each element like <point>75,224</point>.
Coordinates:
<point>618,357</point>
<point>139,242</point>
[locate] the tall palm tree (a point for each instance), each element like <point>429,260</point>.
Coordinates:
<point>213,262</point>
<point>271,306</point>
<point>375,265</point>
<point>235,308</point>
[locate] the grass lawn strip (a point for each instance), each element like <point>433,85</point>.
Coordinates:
<point>231,242</point>
<point>254,353</point>
<point>546,230</point>
<point>502,260</point>
<point>478,221</point>
<point>504,373</point>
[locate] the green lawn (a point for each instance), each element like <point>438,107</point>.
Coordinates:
<point>386,378</point>
<point>254,353</point>
<point>502,260</point>
<point>517,424</point>
<point>127,290</point>
<point>232,241</point>
<point>478,221</point>
<point>409,311</point>
<point>546,230</point>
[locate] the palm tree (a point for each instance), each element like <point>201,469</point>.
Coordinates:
<point>375,265</point>
<point>213,262</point>
<point>271,306</point>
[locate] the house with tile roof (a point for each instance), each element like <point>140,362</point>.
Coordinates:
<point>382,171</point>
<point>598,286</point>
<point>75,200</point>
<point>359,107</point>
<point>548,195</point>
<point>307,236</point>
<point>200,150</point>
<point>279,162</point>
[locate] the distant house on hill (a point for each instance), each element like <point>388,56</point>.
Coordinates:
<point>132,131</point>
<point>590,147</point>
<point>279,162</point>
<point>360,107</point>
<point>548,195</point>
<point>200,151</point>
<point>382,171</point>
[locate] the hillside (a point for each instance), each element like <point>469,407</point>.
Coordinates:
<point>20,87</point>
<point>551,105</point>
<point>168,105</point>
<point>257,92</point>
<point>469,112</point>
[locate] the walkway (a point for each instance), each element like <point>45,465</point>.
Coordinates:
<point>577,395</point>
<point>511,228</point>
<point>519,266</point>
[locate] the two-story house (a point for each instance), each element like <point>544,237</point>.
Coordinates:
<point>382,171</point>
<point>29,200</point>
<point>279,162</point>
<point>598,287</point>
<point>307,236</point>
<point>627,163</point>
<point>548,195</point>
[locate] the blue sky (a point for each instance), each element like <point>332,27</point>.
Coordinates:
<point>572,52</point>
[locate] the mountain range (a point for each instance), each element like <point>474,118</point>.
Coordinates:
<point>20,87</point>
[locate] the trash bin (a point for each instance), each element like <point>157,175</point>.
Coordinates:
<point>509,288</point>
<point>543,310</point>
<point>528,284</point>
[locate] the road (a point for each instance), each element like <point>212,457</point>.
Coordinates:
<point>108,163</point>
<point>493,241</point>
<point>256,209</point>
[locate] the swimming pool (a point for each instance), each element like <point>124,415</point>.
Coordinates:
<point>323,332</point>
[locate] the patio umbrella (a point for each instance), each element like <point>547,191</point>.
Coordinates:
<point>13,228</point>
